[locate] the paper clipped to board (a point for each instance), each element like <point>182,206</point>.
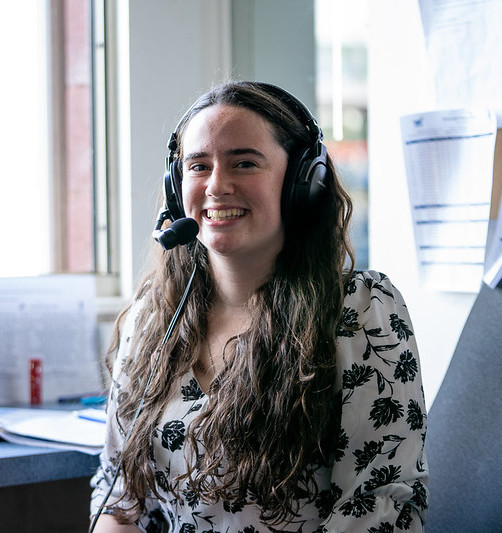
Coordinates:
<point>449,165</point>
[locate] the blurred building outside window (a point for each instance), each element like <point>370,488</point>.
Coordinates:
<point>342,54</point>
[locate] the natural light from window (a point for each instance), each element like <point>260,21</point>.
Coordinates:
<point>24,200</point>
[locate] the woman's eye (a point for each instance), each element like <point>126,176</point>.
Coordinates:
<point>198,167</point>
<point>246,164</point>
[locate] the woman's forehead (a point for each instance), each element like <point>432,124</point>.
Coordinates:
<point>232,125</point>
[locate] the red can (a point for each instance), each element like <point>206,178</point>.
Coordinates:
<point>36,381</point>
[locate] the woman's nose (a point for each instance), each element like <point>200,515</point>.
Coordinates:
<point>219,183</point>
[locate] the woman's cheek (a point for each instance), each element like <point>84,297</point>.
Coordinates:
<point>189,200</point>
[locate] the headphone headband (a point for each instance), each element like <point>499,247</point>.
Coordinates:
<point>301,110</point>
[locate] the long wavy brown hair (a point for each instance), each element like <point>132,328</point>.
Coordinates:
<point>271,413</point>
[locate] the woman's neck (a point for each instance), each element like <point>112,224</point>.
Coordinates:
<point>229,315</point>
<point>235,280</point>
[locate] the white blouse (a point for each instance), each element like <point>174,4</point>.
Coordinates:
<point>377,481</point>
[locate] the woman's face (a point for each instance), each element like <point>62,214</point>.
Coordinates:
<point>233,172</point>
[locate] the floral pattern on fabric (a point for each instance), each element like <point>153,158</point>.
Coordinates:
<point>377,480</point>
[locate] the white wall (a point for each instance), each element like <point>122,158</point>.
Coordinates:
<point>399,83</point>
<point>275,42</point>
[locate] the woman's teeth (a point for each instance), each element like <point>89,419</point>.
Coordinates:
<point>224,214</point>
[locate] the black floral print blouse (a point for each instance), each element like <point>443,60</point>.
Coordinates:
<point>377,482</point>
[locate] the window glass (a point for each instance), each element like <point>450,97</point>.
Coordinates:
<point>76,254</point>
<point>341,47</point>
<point>24,185</point>
<point>47,197</point>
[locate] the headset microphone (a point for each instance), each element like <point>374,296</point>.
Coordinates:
<point>181,231</point>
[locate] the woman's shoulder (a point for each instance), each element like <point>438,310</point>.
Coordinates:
<point>368,280</point>
<point>375,314</point>
<point>367,290</point>
<point>132,315</point>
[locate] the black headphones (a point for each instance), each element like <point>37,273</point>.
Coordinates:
<point>306,175</point>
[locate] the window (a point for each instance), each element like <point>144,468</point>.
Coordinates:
<point>54,203</point>
<point>24,201</point>
<point>342,42</point>
<point>72,137</point>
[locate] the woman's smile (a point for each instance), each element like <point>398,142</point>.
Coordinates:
<point>219,215</point>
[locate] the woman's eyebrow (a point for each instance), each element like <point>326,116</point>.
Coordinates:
<point>233,151</point>
<point>194,155</point>
<point>243,151</point>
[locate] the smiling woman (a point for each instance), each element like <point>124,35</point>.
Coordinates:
<point>286,393</point>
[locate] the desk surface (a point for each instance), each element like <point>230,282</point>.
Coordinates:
<point>20,465</point>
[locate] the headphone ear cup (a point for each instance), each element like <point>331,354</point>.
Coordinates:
<point>305,182</point>
<point>172,191</point>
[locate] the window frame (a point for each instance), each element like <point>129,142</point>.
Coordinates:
<point>105,246</point>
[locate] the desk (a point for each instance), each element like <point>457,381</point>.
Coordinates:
<point>44,489</point>
<point>21,465</point>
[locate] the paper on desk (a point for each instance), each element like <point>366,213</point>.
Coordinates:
<point>449,166</point>
<point>464,45</point>
<point>52,428</point>
<point>52,318</point>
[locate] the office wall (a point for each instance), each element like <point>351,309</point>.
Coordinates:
<point>400,83</point>
<point>275,42</point>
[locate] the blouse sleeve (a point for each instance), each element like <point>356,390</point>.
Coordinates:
<point>379,478</point>
<point>152,519</point>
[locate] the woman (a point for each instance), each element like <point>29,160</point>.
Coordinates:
<point>288,395</point>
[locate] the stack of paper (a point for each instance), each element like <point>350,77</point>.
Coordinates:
<point>82,430</point>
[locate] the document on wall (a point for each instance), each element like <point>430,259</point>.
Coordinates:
<point>464,45</point>
<point>449,165</point>
<point>51,318</point>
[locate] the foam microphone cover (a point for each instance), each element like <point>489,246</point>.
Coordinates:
<point>181,231</point>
